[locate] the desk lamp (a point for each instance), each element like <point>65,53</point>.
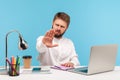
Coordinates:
<point>22,46</point>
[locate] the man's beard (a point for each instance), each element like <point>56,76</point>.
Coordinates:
<point>59,35</point>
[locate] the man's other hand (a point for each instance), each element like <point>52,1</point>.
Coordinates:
<point>68,64</point>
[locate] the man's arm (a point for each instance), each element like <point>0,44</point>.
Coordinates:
<point>73,58</point>
<point>41,48</point>
<point>75,61</point>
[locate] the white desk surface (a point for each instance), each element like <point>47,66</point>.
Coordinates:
<point>64,75</point>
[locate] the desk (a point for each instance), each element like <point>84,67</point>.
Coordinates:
<point>64,75</point>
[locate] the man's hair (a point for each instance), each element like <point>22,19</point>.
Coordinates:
<point>61,15</point>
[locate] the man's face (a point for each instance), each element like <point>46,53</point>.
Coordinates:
<point>60,27</point>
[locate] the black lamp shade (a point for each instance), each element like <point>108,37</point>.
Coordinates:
<point>22,44</point>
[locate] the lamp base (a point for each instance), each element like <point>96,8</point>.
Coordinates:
<point>3,71</point>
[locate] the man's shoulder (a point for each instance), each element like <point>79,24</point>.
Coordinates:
<point>40,37</point>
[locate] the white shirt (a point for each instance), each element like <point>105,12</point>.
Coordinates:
<point>61,54</point>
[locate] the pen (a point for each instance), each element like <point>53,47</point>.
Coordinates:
<point>17,63</point>
<point>11,66</point>
<point>14,63</point>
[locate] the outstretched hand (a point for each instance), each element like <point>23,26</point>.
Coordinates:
<point>48,38</point>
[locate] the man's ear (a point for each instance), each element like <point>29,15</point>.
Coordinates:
<point>52,26</point>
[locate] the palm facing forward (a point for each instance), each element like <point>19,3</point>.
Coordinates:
<point>48,38</point>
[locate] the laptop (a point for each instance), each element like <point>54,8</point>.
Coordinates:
<point>102,59</point>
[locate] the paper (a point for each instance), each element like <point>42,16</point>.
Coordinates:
<point>38,70</point>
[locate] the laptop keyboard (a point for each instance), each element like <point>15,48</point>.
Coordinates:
<point>81,70</point>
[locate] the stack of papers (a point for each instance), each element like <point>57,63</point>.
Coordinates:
<point>41,70</point>
<point>3,71</point>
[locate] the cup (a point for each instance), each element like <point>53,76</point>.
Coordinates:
<point>27,61</point>
<point>14,69</point>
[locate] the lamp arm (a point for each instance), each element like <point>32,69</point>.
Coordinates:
<point>6,44</point>
<point>13,31</point>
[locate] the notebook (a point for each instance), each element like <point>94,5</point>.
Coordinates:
<point>61,68</point>
<point>102,59</point>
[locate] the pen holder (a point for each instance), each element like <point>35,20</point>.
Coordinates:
<point>14,70</point>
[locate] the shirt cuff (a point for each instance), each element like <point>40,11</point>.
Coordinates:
<point>41,47</point>
<point>75,61</point>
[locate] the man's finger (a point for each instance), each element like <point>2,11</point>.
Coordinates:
<point>47,33</point>
<point>52,33</point>
<point>54,45</point>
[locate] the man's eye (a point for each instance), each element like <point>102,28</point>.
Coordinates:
<point>62,27</point>
<point>57,24</point>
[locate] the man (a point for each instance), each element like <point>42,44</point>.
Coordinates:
<point>54,49</point>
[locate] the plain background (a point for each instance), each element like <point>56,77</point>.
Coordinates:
<point>93,22</point>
